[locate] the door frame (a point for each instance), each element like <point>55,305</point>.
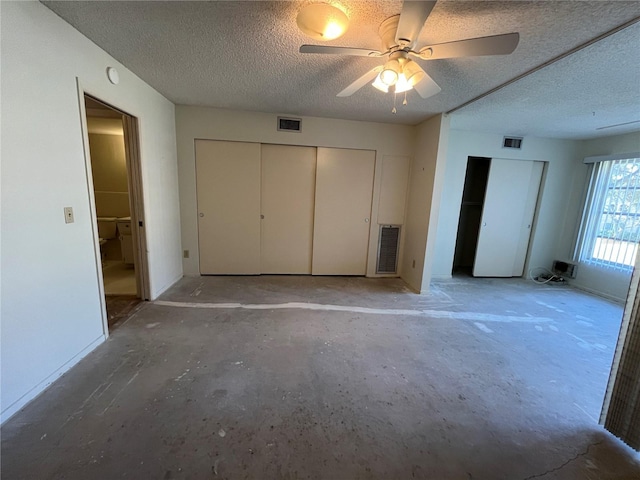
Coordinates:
<point>134,174</point>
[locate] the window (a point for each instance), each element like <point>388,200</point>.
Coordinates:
<point>610,230</point>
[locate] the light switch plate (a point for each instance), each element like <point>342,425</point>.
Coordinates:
<point>68,214</point>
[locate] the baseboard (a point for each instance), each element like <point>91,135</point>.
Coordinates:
<point>22,402</point>
<point>597,293</point>
<point>155,295</point>
<point>443,276</point>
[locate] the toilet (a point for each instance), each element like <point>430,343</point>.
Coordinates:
<point>106,228</point>
<point>106,232</point>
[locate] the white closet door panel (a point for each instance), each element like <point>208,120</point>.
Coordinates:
<point>228,191</point>
<point>344,189</point>
<point>288,191</point>
<point>527,219</point>
<point>504,207</point>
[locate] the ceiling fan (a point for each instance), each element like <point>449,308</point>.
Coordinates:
<point>399,36</point>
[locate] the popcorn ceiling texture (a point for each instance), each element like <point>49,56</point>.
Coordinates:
<point>244,55</point>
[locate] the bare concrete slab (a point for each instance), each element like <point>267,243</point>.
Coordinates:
<point>479,379</point>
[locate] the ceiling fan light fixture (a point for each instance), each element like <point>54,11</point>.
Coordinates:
<point>322,21</point>
<point>390,72</point>
<point>380,85</point>
<point>403,85</point>
<point>413,73</point>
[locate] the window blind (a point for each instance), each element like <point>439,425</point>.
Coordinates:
<point>621,408</point>
<point>610,230</point>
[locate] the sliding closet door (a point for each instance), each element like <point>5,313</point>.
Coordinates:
<point>344,188</point>
<point>288,190</point>
<point>527,218</point>
<point>228,191</point>
<point>507,216</point>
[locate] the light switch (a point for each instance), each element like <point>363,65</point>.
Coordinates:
<point>68,214</point>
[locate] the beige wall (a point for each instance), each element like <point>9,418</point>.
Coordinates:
<point>423,204</point>
<point>562,168</point>
<point>388,141</point>
<point>109,171</point>
<point>108,163</point>
<point>560,204</point>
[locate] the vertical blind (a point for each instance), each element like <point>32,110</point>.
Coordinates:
<point>621,409</point>
<point>610,230</point>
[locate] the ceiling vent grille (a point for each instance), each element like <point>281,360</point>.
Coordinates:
<point>512,142</point>
<point>286,124</point>
<point>388,249</point>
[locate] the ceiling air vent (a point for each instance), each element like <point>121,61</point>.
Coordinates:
<point>388,249</point>
<point>286,124</point>
<point>512,142</point>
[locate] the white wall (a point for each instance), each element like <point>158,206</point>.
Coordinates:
<point>423,205</point>
<point>392,141</point>
<point>599,280</point>
<point>563,167</point>
<point>51,309</point>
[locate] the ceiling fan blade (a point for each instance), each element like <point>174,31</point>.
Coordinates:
<point>414,14</point>
<point>328,50</point>
<point>427,87</point>
<point>473,47</point>
<point>361,82</point>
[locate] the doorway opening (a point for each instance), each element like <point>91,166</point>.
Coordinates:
<point>116,189</point>
<point>475,186</point>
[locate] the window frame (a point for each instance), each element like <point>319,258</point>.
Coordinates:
<point>594,209</point>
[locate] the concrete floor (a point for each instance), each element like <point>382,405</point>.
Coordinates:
<point>480,379</point>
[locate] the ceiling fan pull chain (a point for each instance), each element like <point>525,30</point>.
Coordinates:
<point>394,111</point>
<point>405,99</point>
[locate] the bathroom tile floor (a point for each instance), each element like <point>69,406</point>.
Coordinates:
<point>119,278</point>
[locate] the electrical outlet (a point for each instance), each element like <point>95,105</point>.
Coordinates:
<point>68,214</point>
<point>185,253</point>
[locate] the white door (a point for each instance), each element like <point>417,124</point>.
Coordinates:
<point>288,190</point>
<point>228,191</point>
<point>507,216</point>
<point>344,188</point>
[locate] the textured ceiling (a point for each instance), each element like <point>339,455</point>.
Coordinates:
<point>244,55</point>
<point>582,96</point>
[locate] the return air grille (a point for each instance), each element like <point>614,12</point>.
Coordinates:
<point>512,142</point>
<point>388,249</point>
<point>286,124</point>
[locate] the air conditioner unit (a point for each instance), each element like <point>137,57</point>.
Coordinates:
<point>564,269</point>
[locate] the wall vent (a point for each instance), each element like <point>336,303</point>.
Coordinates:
<point>287,124</point>
<point>512,142</point>
<point>388,243</point>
